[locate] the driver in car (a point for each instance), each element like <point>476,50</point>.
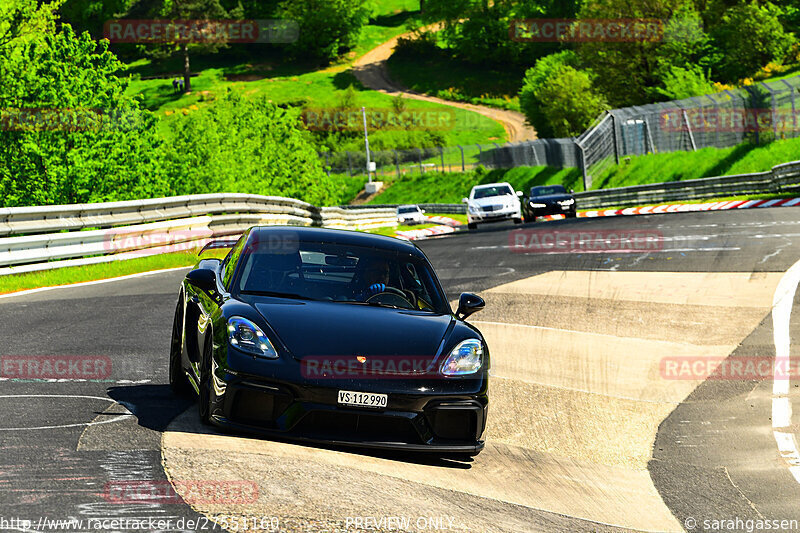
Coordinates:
<point>374,278</point>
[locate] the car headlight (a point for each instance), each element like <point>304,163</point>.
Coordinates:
<point>568,202</point>
<point>244,335</point>
<point>537,206</point>
<point>473,209</point>
<point>466,358</point>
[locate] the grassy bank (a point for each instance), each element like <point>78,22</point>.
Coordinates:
<point>439,74</point>
<point>71,275</point>
<point>704,163</point>
<point>437,187</point>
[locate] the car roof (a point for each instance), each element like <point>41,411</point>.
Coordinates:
<point>487,185</point>
<point>338,236</point>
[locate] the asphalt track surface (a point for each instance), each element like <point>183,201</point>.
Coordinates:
<point>714,454</point>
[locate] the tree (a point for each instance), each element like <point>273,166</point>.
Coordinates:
<point>185,43</point>
<point>328,28</point>
<point>478,31</point>
<point>629,72</point>
<point>749,36</point>
<point>558,99</point>
<point>91,15</point>
<point>246,145</point>
<point>69,134</point>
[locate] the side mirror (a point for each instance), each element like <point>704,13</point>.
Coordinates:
<point>464,201</point>
<point>468,304</point>
<point>519,193</point>
<point>204,279</point>
<point>572,191</point>
<point>423,211</point>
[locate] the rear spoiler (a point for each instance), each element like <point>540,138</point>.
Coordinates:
<point>218,244</point>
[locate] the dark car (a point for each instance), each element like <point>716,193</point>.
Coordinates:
<point>331,336</point>
<point>548,200</point>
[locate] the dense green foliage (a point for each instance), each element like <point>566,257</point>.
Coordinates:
<point>245,145</point>
<point>558,99</point>
<point>70,134</point>
<point>328,28</point>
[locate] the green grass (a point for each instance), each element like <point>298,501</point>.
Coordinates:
<point>437,73</point>
<point>707,162</point>
<point>436,187</point>
<point>70,275</point>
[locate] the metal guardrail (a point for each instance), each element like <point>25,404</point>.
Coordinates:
<point>442,209</point>
<point>48,237</point>
<point>780,179</point>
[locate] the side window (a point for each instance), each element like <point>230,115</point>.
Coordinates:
<point>229,266</point>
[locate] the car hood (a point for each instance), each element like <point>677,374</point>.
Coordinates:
<point>495,200</point>
<point>321,329</point>
<point>550,198</point>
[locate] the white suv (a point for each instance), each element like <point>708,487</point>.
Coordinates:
<point>492,203</point>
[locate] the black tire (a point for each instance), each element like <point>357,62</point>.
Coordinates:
<point>177,378</point>
<point>205,387</point>
<point>572,215</point>
<point>472,226</point>
<point>517,221</point>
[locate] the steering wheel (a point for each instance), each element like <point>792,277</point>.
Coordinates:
<point>393,291</point>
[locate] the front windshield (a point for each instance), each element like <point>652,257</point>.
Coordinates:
<point>406,209</point>
<point>546,191</point>
<point>332,272</point>
<point>486,192</point>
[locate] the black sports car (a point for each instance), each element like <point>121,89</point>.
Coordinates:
<point>331,336</point>
<point>548,200</point>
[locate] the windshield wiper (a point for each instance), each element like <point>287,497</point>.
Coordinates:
<point>279,295</point>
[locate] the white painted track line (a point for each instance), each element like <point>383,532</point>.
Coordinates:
<point>781,405</point>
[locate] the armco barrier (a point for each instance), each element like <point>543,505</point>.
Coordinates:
<point>783,178</point>
<point>43,238</point>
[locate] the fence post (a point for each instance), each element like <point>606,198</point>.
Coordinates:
<point>496,154</point>
<point>649,135</point>
<point>349,165</point>
<point>419,154</point>
<point>441,157</point>
<point>794,115</point>
<point>616,139</point>
<point>328,163</point>
<point>463,165</point>
<point>535,155</point>
<point>397,162</point>
<point>689,129</point>
<point>587,181</point>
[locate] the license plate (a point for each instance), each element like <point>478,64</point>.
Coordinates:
<point>362,399</point>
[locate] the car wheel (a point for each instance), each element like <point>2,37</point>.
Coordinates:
<point>177,379</point>
<point>573,214</point>
<point>205,383</point>
<point>472,226</point>
<point>517,221</point>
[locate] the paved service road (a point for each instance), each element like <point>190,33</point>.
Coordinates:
<point>578,398</point>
